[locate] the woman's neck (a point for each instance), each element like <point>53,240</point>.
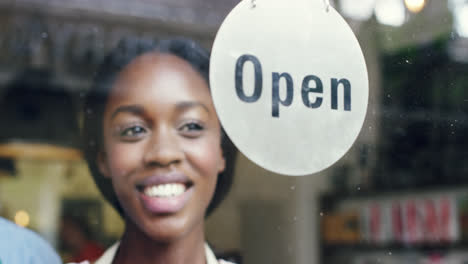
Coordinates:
<point>137,247</point>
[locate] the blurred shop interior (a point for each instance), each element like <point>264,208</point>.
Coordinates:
<point>400,195</point>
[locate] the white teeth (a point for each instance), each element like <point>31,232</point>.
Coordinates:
<point>165,190</point>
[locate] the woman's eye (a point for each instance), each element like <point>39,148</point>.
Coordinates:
<point>133,131</point>
<point>192,128</point>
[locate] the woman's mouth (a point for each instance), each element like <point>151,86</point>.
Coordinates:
<point>160,195</point>
<point>165,190</point>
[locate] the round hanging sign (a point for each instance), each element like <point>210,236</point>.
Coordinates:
<point>289,84</point>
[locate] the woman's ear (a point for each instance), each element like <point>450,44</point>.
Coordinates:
<point>102,164</point>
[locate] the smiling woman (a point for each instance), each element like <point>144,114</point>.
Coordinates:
<point>156,150</point>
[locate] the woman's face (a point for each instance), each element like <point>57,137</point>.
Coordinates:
<point>162,146</point>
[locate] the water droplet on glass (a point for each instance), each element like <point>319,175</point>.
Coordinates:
<point>390,253</point>
<point>293,187</point>
<point>321,213</point>
<point>358,188</point>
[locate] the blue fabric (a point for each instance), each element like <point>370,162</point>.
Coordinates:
<point>22,246</point>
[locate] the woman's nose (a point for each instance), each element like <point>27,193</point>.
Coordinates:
<point>163,149</point>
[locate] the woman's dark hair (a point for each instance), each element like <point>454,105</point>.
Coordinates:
<point>96,100</point>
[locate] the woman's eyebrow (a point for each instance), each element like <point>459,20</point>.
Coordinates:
<point>134,109</point>
<point>182,106</point>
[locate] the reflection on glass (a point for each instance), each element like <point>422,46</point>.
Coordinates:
<point>22,218</point>
<point>390,12</point>
<point>461,20</point>
<point>359,10</point>
<point>415,6</point>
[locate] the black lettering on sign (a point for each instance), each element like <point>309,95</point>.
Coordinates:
<point>307,89</point>
<point>346,90</point>
<point>275,100</point>
<point>311,84</point>
<point>239,78</point>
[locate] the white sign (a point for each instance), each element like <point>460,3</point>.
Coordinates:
<point>289,83</point>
